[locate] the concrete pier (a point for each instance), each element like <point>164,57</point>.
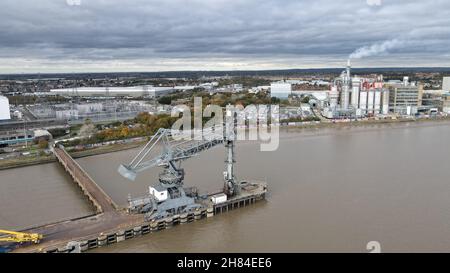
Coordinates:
<point>100,200</point>
<point>110,228</point>
<point>112,225</point>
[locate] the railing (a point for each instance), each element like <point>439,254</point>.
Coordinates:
<point>96,195</point>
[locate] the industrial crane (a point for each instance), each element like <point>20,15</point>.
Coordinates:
<point>168,197</point>
<point>19,237</point>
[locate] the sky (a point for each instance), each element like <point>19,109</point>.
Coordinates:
<point>52,36</point>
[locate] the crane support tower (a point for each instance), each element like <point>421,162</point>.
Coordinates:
<point>230,186</point>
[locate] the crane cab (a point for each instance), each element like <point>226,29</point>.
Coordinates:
<point>160,193</point>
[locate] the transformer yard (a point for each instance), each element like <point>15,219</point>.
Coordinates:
<point>166,204</point>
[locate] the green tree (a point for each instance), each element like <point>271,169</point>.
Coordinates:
<point>42,143</point>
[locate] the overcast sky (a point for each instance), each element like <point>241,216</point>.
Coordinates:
<point>161,35</point>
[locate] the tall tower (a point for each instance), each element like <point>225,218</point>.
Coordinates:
<point>349,67</point>
<point>346,85</point>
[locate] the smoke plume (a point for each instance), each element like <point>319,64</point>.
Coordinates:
<point>376,49</point>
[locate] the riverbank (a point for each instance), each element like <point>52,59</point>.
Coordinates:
<point>356,123</point>
<point>24,162</point>
<point>29,161</point>
<point>105,149</point>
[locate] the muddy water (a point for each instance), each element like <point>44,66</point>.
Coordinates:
<point>38,195</point>
<point>330,190</point>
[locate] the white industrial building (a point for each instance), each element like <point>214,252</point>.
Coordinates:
<point>88,108</point>
<point>354,96</point>
<point>446,84</point>
<point>318,94</point>
<point>4,108</point>
<point>68,114</point>
<point>280,90</point>
<point>133,91</point>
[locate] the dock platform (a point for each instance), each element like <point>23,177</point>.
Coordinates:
<point>111,224</point>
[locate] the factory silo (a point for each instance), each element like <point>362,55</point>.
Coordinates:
<point>356,83</point>
<point>385,99</point>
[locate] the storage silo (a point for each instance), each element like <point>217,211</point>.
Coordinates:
<point>356,83</point>
<point>378,102</point>
<point>385,108</point>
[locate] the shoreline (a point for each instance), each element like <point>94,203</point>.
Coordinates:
<point>122,147</point>
<point>76,154</point>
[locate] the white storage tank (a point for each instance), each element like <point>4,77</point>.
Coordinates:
<point>370,101</point>
<point>385,101</point>
<point>219,198</point>
<point>377,106</point>
<point>363,100</point>
<point>4,108</point>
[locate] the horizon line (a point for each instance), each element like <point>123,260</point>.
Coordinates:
<point>218,71</point>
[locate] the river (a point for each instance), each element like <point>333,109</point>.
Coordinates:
<point>331,190</point>
<point>38,195</point>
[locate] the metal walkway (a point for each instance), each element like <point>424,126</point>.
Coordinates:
<point>101,201</point>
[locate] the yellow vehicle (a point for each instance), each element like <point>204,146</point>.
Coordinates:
<point>19,237</point>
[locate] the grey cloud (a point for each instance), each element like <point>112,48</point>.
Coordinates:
<point>134,31</point>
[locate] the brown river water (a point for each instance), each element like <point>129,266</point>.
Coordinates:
<point>37,195</point>
<point>331,190</point>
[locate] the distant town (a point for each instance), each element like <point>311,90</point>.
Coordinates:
<point>91,110</point>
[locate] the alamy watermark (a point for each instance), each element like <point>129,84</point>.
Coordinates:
<point>374,2</point>
<point>254,122</point>
<point>73,2</point>
<point>373,247</point>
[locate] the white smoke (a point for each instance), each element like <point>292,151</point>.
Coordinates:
<point>376,49</point>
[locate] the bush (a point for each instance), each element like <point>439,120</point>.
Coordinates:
<point>57,132</point>
<point>42,143</point>
<point>165,100</point>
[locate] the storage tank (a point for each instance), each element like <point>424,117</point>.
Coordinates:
<point>356,82</point>
<point>377,106</point>
<point>363,99</point>
<point>370,101</point>
<point>385,99</point>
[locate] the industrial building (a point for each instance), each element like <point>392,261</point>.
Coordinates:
<point>446,84</point>
<point>4,108</point>
<point>446,103</point>
<point>133,91</point>
<point>107,110</point>
<point>280,90</point>
<point>19,137</point>
<point>356,97</point>
<point>405,98</point>
<point>231,88</point>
